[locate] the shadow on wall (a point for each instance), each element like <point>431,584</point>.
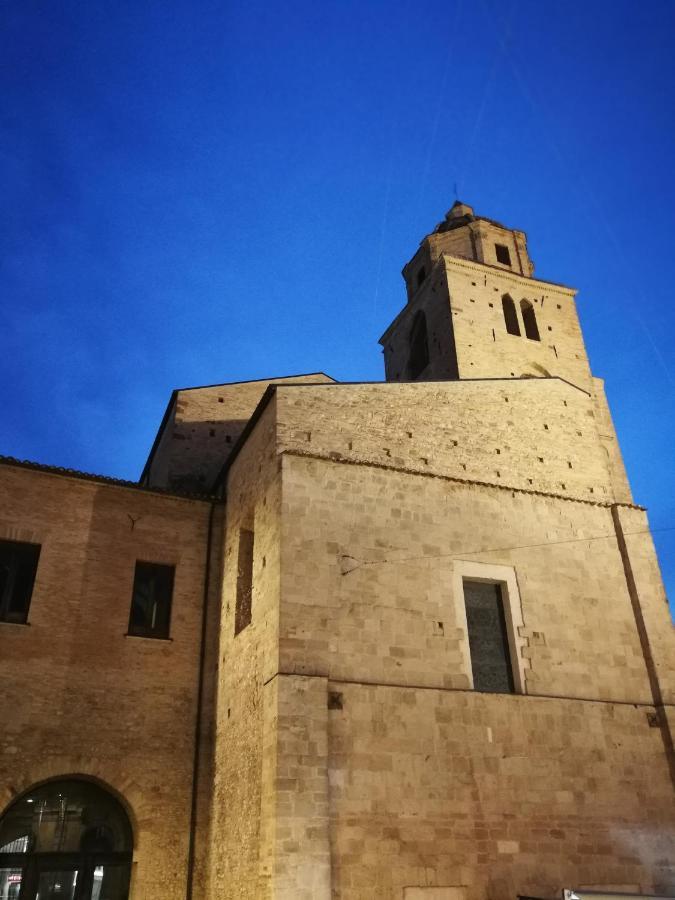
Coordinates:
<point>198,450</point>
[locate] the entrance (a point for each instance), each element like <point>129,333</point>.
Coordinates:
<point>65,840</point>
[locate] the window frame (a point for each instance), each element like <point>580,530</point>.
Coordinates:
<point>142,632</point>
<point>505,577</point>
<point>9,589</point>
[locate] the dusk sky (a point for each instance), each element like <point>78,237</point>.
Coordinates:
<point>207,192</point>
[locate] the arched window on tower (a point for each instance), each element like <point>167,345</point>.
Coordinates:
<point>529,320</point>
<point>69,839</point>
<point>510,315</point>
<point>419,346</point>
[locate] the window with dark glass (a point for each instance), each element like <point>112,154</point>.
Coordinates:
<point>421,275</point>
<point>510,315</point>
<point>151,600</point>
<point>419,346</point>
<point>529,320</point>
<point>488,637</point>
<point>503,255</point>
<point>18,566</point>
<point>65,840</point>
<point>243,605</point>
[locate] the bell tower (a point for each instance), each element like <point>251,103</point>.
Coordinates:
<point>475,310</point>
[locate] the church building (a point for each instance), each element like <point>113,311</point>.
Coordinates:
<point>403,640</point>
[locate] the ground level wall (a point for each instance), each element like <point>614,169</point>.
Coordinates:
<point>499,794</point>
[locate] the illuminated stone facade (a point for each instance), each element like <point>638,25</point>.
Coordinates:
<point>316,724</point>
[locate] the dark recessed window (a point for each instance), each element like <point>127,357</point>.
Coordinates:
<point>242,612</point>
<point>510,315</point>
<point>419,346</point>
<point>151,600</point>
<point>421,275</point>
<point>244,600</point>
<point>529,320</point>
<point>18,565</point>
<point>503,255</point>
<point>488,637</point>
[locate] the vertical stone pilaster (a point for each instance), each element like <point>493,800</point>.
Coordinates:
<point>652,618</point>
<point>295,848</point>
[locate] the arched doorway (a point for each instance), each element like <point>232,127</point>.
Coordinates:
<point>65,840</point>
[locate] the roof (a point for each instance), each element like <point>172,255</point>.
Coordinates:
<point>11,461</point>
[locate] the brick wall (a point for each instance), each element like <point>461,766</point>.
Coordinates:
<point>81,698</point>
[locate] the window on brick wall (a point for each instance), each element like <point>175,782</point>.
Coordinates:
<point>510,315</point>
<point>419,346</point>
<point>503,255</point>
<point>488,637</point>
<point>243,607</point>
<point>18,566</point>
<point>151,600</point>
<point>529,320</point>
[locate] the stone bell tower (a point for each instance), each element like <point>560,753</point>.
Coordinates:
<point>475,311</point>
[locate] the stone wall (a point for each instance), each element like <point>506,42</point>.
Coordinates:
<point>243,829</point>
<point>430,784</point>
<point>498,796</point>
<point>533,434</point>
<point>202,428</point>
<point>480,346</point>
<point>79,697</point>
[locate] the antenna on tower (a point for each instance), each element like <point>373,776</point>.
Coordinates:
<point>454,186</point>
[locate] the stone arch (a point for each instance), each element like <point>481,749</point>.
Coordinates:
<point>510,315</point>
<point>68,833</point>
<point>529,320</point>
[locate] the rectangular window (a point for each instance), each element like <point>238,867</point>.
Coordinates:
<point>151,600</point>
<point>242,613</point>
<point>18,566</point>
<point>503,255</point>
<point>488,637</point>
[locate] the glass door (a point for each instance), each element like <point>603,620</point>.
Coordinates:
<point>10,882</point>
<point>57,884</point>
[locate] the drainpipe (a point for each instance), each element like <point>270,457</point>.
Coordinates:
<point>200,704</point>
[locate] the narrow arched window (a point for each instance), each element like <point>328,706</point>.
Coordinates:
<point>529,320</point>
<point>510,315</point>
<point>419,346</point>
<point>69,839</point>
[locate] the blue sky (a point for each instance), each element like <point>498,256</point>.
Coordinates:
<point>203,192</point>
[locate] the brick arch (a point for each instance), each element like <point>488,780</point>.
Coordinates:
<point>136,804</point>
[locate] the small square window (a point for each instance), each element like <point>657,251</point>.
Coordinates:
<point>151,600</point>
<point>503,255</point>
<point>18,566</point>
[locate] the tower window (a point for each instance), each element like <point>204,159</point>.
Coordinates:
<point>18,565</point>
<point>242,612</point>
<point>510,315</point>
<point>488,638</point>
<point>503,255</point>
<point>151,600</point>
<point>421,275</point>
<point>529,320</point>
<point>419,346</point>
